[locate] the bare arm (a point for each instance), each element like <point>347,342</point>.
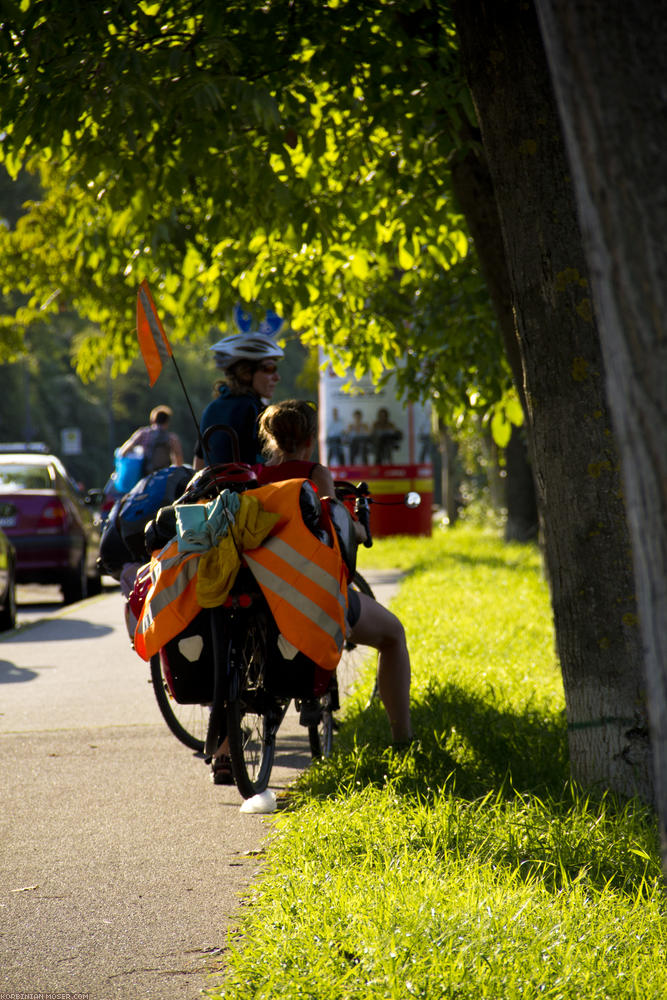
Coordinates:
<point>324,481</point>
<point>327,488</point>
<point>130,443</point>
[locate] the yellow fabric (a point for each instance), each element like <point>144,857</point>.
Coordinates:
<point>218,567</point>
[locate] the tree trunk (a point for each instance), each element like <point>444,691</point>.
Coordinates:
<point>450,480</point>
<point>585,533</point>
<point>494,480</point>
<point>607,62</point>
<point>473,189</point>
<point>522,519</point>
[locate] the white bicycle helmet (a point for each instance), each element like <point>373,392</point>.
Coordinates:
<point>248,347</point>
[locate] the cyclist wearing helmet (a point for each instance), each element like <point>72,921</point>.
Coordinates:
<point>250,365</point>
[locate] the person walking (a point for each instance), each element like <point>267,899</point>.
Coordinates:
<point>160,446</point>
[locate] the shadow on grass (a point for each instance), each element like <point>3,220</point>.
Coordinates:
<point>462,740</point>
<point>508,773</point>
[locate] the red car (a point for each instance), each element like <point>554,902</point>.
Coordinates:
<point>50,523</point>
<point>7,584</point>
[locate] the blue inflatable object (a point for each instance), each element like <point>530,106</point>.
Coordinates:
<point>128,471</point>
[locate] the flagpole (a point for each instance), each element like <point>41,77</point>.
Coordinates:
<point>155,348</point>
<point>196,422</point>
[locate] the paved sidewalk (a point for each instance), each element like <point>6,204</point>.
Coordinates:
<point>121,865</point>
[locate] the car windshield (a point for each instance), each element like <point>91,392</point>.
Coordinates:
<point>24,477</point>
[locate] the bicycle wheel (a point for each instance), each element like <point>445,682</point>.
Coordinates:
<point>253,715</point>
<point>360,584</point>
<point>188,723</point>
<point>321,735</point>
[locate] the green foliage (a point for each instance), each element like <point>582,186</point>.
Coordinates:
<point>468,866</point>
<point>292,154</point>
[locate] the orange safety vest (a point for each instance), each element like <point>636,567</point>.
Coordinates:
<point>171,602</point>
<point>303,580</point>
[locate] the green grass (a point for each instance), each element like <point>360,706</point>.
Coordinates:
<point>470,866</point>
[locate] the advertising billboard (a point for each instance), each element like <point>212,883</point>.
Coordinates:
<point>368,433</point>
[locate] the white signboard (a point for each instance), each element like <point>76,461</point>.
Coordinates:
<point>370,428</point>
<point>70,441</point>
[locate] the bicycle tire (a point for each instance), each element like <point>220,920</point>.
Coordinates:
<point>188,723</point>
<point>321,735</point>
<point>361,585</point>
<point>253,716</point>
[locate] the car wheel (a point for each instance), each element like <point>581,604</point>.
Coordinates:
<point>8,609</point>
<point>75,584</point>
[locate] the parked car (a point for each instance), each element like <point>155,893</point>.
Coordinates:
<point>51,524</point>
<point>7,584</point>
<point>109,496</point>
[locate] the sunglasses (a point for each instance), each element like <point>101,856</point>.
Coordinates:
<point>268,368</point>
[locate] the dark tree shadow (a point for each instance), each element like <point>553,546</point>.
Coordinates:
<point>462,740</point>
<point>489,758</point>
<point>61,629</point>
<point>11,674</point>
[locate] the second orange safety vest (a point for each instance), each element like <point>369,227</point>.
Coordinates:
<point>303,580</point>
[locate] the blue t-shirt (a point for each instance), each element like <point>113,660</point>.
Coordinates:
<point>239,412</point>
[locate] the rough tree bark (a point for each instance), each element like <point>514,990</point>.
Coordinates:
<point>587,546</point>
<point>607,63</point>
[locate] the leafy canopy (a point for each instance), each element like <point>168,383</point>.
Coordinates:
<point>289,154</point>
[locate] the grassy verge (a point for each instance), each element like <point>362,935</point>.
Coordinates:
<point>468,867</point>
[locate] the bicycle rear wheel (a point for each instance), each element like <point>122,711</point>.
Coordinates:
<point>360,584</point>
<point>188,723</point>
<point>253,715</point>
<point>321,735</point>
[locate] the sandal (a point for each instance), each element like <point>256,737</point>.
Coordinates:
<point>221,770</point>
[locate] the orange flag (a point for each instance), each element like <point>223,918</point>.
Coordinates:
<point>155,347</point>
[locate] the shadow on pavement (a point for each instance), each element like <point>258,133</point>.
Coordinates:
<point>61,629</point>
<point>11,674</point>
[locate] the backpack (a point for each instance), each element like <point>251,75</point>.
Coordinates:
<point>123,535</point>
<point>157,453</point>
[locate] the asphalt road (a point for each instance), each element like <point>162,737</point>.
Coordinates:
<point>121,864</point>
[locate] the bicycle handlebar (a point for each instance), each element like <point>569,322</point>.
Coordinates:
<point>362,501</point>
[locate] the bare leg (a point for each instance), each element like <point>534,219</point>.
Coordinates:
<point>379,628</point>
<point>221,771</point>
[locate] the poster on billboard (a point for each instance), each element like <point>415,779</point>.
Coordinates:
<point>368,432</point>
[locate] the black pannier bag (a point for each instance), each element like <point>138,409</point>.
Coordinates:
<point>295,677</point>
<point>187,662</point>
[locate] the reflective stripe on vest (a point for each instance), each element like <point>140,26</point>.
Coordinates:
<point>171,602</point>
<point>302,579</point>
